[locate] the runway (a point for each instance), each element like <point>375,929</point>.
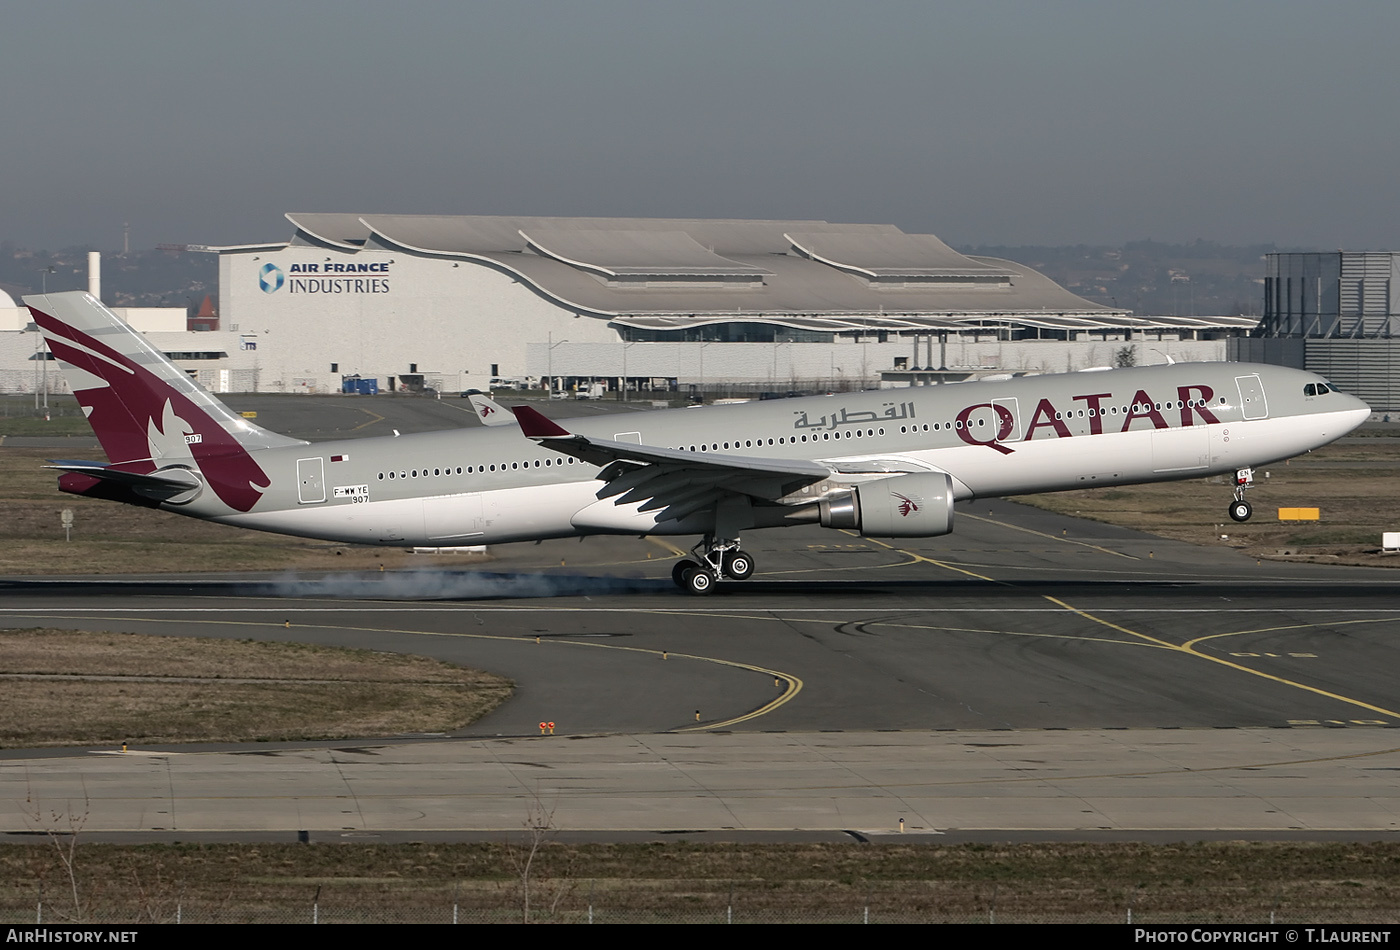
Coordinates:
<point>1140,686</point>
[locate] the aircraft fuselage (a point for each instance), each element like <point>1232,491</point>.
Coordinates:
<point>992,438</point>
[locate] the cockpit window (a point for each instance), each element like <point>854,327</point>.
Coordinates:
<point>1317,389</point>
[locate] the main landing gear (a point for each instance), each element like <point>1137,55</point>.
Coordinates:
<point>710,560</point>
<point>1240,510</point>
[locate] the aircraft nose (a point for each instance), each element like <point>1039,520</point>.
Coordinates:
<point>1358,413</point>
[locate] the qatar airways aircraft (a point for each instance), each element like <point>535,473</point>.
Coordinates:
<point>887,463</point>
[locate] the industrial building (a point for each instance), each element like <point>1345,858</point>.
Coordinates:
<point>458,301</point>
<point>453,302</point>
<point>1336,314</point>
<point>26,365</point>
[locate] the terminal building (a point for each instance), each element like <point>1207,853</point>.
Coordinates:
<point>361,302</point>
<point>1336,314</point>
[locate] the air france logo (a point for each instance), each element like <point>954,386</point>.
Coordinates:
<point>270,278</point>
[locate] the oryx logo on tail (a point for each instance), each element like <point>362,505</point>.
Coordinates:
<point>144,421</point>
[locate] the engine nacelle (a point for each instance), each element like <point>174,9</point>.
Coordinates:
<point>906,506</point>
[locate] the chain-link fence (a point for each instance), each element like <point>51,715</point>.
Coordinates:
<point>411,910</point>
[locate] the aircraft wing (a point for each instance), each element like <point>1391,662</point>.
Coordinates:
<point>671,481</point>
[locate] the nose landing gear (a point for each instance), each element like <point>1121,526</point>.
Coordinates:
<point>1240,510</point>
<point>711,560</point>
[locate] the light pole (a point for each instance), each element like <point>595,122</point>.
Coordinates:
<point>702,369</point>
<point>625,348</point>
<point>549,362</point>
<point>41,347</point>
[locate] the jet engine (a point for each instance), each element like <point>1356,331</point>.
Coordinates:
<point>906,506</point>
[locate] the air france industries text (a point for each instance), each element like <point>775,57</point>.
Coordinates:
<point>338,285</point>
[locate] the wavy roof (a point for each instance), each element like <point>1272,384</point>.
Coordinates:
<point>670,272</point>
<point>643,267</point>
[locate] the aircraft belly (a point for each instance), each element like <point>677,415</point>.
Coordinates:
<point>605,517</point>
<point>1183,449</point>
<point>393,521</point>
<point>539,511</point>
<point>1257,441</point>
<point>511,514</point>
<point>1048,464</point>
<point>1145,455</point>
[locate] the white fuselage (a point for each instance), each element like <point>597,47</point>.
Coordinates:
<point>1022,436</point>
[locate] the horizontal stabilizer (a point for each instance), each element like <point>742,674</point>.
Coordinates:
<point>536,425</point>
<point>171,484</point>
<point>489,412</point>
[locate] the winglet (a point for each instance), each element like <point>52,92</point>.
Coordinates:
<point>538,426</point>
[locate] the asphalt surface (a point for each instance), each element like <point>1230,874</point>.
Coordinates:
<point>1028,675</point>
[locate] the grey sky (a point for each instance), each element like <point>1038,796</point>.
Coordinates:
<point>988,122</point>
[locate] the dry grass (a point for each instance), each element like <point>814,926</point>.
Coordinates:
<point>1353,484</point>
<point>74,688</point>
<point>1226,881</point>
<point>110,538</point>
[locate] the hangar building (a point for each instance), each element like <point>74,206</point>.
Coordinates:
<point>1336,314</point>
<point>455,302</point>
<point>463,301</point>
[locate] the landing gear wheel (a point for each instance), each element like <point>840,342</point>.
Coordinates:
<point>678,572</point>
<point>698,580</point>
<point>1241,510</point>
<point>738,565</point>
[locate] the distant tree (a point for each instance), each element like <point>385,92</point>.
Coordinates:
<point>1125,357</point>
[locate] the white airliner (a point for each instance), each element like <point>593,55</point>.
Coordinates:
<point>888,463</point>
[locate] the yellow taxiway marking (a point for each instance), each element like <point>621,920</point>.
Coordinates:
<point>667,545</point>
<point>793,687</point>
<point>919,558</point>
<point>1049,537</point>
<point>1188,648</point>
<point>377,418</point>
<point>1189,644</point>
